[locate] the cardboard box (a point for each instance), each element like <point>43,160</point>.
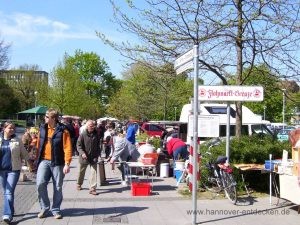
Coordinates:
<point>295,155</point>
<point>295,170</point>
<point>140,189</point>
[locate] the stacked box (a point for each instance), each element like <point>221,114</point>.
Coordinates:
<point>296,160</point>
<point>295,154</point>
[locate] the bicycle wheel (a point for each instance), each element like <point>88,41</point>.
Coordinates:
<point>229,187</point>
<point>208,180</point>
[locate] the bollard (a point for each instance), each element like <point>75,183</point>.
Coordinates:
<point>101,169</point>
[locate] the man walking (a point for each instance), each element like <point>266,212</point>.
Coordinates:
<point>88,147</point>
<point>54,158</point>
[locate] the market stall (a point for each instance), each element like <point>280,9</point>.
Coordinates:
<point>289,180</point>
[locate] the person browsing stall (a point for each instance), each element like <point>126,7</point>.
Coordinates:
<point>177,148</point>
<point>123,151</point>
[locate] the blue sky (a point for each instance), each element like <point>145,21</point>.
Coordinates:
<point>42,31</point>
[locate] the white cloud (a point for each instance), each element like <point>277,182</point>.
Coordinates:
<point>23,28</point>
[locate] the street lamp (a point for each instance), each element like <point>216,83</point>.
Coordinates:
<point>35,94</point>
<point>265,112</point>
<point>35,100</point>
<point>283,107</point>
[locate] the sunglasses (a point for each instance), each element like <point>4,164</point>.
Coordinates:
<point>47,117</point>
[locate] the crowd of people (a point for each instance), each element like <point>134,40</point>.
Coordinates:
<point>48,151</point>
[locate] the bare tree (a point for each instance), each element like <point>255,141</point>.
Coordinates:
<point>231,34</point>
<point>4,59</point>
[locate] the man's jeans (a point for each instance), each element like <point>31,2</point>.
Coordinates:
<point>9,180</point>
<point>44,173</point>
<point>123,167</point>
<point>181,153</point>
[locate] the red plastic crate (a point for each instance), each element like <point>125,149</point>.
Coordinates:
<point>140,189</point>
<point>150,158</point>
<point>148,161</point>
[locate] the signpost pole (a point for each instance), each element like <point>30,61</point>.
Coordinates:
<point>228,133</point>
<point>195,136</point>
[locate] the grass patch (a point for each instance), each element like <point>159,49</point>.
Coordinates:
<point>203,194</point>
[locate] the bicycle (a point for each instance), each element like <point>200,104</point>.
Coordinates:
<point>216,176</point>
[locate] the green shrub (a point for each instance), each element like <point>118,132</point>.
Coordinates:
<point>156,141</point>
<point>253,149</point>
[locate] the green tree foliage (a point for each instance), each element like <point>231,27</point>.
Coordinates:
<point>9,102</point>
<point>80,84</point>
<point>262,76</point>
<point>273,94</point>
<point>26,83</point>
<point>294,105</point>
<point>292,100</point>
<point>149,94</point>
<point>94,73</point>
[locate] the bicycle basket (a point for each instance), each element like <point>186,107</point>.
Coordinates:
<point>228,169</point>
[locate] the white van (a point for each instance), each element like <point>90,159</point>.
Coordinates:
<point>251,123</point>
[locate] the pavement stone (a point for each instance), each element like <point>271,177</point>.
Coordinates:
<point>115,205</point>
<point>25,197</point>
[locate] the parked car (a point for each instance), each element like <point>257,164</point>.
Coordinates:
<point>251,122</point>
<point>283,134</point>
<point>152,130</point>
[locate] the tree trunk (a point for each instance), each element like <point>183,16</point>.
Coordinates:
<point>239,69</point>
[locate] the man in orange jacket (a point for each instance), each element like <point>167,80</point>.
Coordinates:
<point>53,160</point>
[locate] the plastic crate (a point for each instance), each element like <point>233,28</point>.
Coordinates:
<point>273,162</point>
<point>148,161</point>
<point>140,189</point>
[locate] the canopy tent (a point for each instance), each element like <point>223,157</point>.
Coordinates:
<point>107,118</point>
<point>71,117</point>
<point>36,110</point>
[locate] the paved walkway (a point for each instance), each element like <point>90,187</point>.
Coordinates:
<point>116,205</point>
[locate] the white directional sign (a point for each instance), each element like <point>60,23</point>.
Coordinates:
<point>186,57</point>
<point>184,67</point>
<point>231,93</point>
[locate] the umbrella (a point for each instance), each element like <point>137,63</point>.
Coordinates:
<point>35,110</point>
